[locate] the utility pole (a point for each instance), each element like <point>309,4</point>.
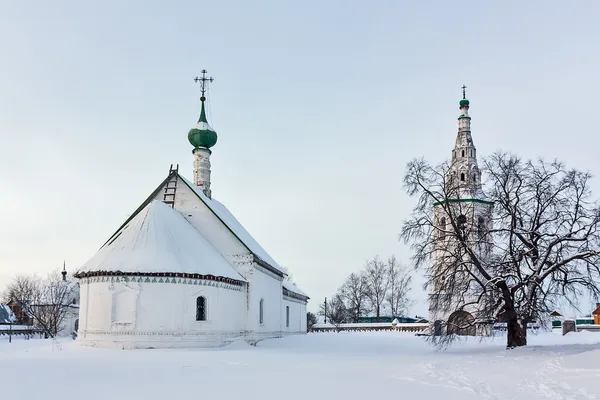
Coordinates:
<point>325,309</point>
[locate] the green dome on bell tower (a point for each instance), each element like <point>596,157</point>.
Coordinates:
<point>202,135</point>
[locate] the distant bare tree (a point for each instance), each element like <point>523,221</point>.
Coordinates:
<point>45,300</point>
<point>22,288</point>
<point>541,245</point>
<point>355,293</point>
<point>377,283</point>
<point>336,311</point>
<point>399,281</point>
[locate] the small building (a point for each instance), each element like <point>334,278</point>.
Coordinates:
<point>556,319</point>
<point>596,314</point>
<point>21,315</point>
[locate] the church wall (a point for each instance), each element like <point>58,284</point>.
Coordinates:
<point>96,304</point>
<point>264,286</point>
<point>83,304</point>
<point>297,316</point>
<point>67,325</point>
<point>142,315</point>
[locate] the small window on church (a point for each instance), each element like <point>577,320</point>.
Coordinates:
<point>287,316</point>
<point>474,179</point>
<point>481,228</point>
<point>462,224</point>
<point>462,177</point>
<point>261,312</point>
<point>201,309</point>
<point>463,153</point>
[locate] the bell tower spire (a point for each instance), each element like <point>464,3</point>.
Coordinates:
<point>202,137</point>
<point>464,171</point>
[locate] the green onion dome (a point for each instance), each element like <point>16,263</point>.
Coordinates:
<point>464,103</point>
<point>202,135</point>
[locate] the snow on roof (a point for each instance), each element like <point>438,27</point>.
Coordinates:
<point>6,315</point>
<point>289,285</point>
<point>160,239</point>
<point>232,223</point>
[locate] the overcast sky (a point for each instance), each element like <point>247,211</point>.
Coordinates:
<point>318,106</point>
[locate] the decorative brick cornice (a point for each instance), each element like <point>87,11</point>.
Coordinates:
<point>294,295</point>
<point>267,271</point>
<point>190,279</point>
<point>293,299</point>
<point>218,334</point>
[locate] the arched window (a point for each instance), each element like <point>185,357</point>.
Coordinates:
<point>462,176</point>
<point>462,223</point>
<point>201,309</point>
<point>442,226</point>
<point>287,316</point>
<point>474,179</point>
<point>463,153</point>
<point>480,227</point>
<point>261,311</point>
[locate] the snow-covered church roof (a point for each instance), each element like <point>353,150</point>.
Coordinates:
<point>159,239</point>
<point>289,285</point>
<point>234,225</point>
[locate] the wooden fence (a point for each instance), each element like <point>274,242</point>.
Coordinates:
<point>16,330</point>
<point>370,327</point>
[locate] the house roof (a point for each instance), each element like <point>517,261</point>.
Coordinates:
<point>596,311</point>
<point>158,239</point>
<point>6,315</point>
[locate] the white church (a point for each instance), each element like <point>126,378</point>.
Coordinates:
<point>181,271</point>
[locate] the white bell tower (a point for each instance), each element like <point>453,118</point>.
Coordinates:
<point>467,205</point>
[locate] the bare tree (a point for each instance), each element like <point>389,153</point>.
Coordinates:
<point>45,300</point>
<point>311,319</point>
<point>538,244</point>
<point>399,280</point>
<point>377,283</point>
<point>335,311</point>
<point>355,293</point>
<point>22,288</point>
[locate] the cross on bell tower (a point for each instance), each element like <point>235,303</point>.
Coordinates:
<point>203,83</point>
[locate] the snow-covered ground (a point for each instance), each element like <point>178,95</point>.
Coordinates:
<point>376,365</point>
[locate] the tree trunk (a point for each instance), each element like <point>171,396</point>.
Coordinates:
<point>517,333</point>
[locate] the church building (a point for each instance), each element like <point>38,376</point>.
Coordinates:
<point>451,308</point>
<point>182,271</point>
